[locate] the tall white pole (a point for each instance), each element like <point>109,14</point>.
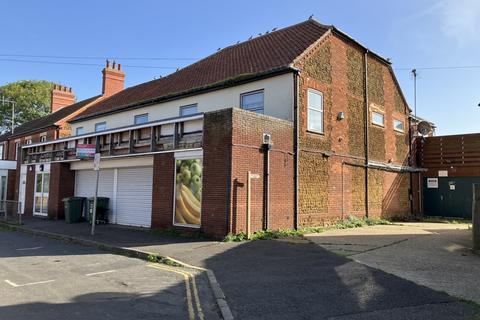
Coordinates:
<point>249,174</point>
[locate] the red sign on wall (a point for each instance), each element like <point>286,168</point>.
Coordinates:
<point>85,151</point>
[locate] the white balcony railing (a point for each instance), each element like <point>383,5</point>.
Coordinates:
<point>152,137</point>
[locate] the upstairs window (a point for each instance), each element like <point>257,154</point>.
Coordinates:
<point>1,152</point>
<point>141,118</point>
<point>28,141</point>
<point>43,138</point>
<point>17,146</point>
<point>315,111</point>
<point>398,125</point>
<point>101,126</point>
<point>378,119</point>
<point>188,110</point>
<point>79,131</point>
<point>252,101</point>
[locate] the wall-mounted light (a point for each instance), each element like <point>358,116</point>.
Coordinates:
<point>341,115</point>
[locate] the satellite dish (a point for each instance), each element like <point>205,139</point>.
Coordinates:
<point>424,128</point>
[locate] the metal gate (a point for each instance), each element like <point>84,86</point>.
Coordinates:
<point>449,197</point>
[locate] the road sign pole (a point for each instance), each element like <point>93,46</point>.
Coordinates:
<point>96,167</point>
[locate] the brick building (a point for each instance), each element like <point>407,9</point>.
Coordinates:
<point>324,125</point>
<point>50,127</point>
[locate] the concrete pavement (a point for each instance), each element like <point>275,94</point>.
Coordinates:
<point>436,255</point>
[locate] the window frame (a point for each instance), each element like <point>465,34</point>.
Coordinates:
<point>43,138</point>
<point>2,151</point>
<point>186,107</point>
<point>28,141</point>
<point>101,123</point>
<point>17,146</point>
<point>249,93</point>
<point>322,111</point>
<point>139,116</point>
<point>381,125</point>
<point>395,127</point>
<point>79,134</point>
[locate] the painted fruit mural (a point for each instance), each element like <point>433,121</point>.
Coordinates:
<point>188,192</point>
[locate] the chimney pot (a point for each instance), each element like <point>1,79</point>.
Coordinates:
<point>119,66</point>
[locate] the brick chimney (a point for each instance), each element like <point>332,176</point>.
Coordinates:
<point>62,96</point>
<point>113,79</point>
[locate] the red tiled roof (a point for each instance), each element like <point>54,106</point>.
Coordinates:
<point>47,121</point>
<point>269,52</point>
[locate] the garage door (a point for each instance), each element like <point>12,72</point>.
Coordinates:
<point>85,185</point>
<point>134,197</point>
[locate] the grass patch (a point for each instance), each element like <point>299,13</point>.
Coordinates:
<point>430,219</point>
<point>350,222</point>
<point>265,235</point>
<point>355,222</point>
<point>154,258</point>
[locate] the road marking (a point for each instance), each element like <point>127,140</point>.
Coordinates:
<point>25,249</point>
<point>101,272</point>
<point>193,287</point>
<point>13,284</point>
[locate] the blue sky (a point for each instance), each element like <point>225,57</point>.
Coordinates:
<point>421,33</point>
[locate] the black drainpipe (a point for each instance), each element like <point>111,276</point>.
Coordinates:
<point>410,163</point>
<point>295,146</point>
<point>367,122</point>
<point>266,184</point>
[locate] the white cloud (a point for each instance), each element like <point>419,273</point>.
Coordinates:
<point>460,19</point>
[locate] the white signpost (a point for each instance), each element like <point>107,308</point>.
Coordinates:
<point>88,152</point>
<point>250,176</point>
<point>96,167</point>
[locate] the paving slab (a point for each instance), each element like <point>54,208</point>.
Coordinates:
<point>436,255</point>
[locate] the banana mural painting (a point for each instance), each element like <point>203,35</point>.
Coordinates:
<point>188,193</point>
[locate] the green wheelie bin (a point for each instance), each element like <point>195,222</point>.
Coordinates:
<point>102,209</point>
<point>73,209</point>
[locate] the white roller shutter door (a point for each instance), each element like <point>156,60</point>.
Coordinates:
<point>134,196</point>
<point>85,185</point>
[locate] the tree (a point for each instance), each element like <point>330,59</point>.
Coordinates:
<point>32,100</point>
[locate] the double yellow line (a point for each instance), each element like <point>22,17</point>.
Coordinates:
<point>190,286</point>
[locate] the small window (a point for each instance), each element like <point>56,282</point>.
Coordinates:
<point>28,141</point>
<point>79,131</point>
<point>315,111</point>
<point>188,110</point>
<point>101,126</point>
<point>398,125</point>
<point>378,119</point>
<point>141,118</point>
<point>1,151</point>
<point>17,145</point>
<point>252,101</point>
<point>43,138</point>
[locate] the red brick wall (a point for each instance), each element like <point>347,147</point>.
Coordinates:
<point>330,187</point>
<point>162,193</point>
<point>62,185</point>
<point>29,191</point>
<point>11,184</point>
<point>217,154</point>
<point>248,155</point>
<point>232,147</point>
